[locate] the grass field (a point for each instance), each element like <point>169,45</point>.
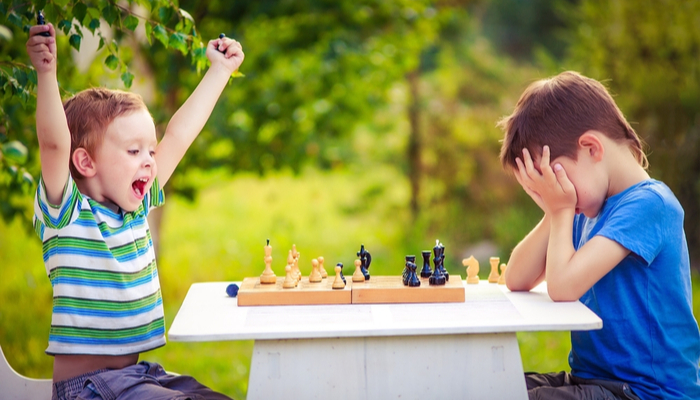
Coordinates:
<point>220,237</point>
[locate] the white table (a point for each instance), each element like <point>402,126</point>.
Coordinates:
<point>410,351</point>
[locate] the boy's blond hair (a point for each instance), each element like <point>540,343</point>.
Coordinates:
<point>90,112</point>
<point>556,112</point>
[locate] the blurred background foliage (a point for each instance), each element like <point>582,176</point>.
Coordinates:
<point>357,121</point>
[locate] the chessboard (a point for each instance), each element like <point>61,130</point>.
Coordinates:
<point>376,290</point>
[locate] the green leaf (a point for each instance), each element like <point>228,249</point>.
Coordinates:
<point>131,22</point>
<point>65,26</point>
<point>79,11</point>
<point>20,75</point>
<point>237,74</point>
<point>15,20</point>
<point>93,12</point>
<point>186,15</point>
<point>74,41</point>
<point>127,78</point>
<point>112,62</point>
<point>101,44</point>
<point>177,41</point>
<point>27,178</point>
<point>32,76</point>
<point>15,152</point>
<point>94,24</point>
<point>61,3</point>
<point>165,13</point>
<point>110,13</point>
<point>160,34</point>
<point>149,32</point>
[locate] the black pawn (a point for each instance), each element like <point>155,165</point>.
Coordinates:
<point>426,271</point>
<point>341,272</point>
<point>413,280</point>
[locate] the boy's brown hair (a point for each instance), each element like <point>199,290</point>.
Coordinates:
<point>556,112</point>
<point>90,112</point>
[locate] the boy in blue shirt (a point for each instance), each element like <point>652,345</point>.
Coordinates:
<point>102,171</point>
<point>611,236</point>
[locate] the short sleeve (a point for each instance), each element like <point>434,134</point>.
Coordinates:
<point>56,216</point>
<point>154,198</point>
<point>640,223</point>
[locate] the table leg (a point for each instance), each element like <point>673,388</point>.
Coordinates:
<point>474,366</point>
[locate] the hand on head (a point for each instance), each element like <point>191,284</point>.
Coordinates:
<point>549,186</point>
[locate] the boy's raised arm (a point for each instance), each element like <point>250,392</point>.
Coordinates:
<point>189,120</point>
<point>51,124</point>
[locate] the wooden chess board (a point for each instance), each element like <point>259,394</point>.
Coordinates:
<point>377,290</point>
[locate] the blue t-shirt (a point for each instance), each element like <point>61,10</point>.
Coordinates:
<point>650,338</point>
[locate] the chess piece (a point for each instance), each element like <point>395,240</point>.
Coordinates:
<point>358,276</point>
<point>438,277</point>
<point>502,278</point>
<point>295,263</point>
<point>442,262</point>
<point>366,260</point>
<point>341,271</point>
<point>289,281</point>
<point>406,271</point>
<point>412,279</point>
<point>40,21</point>
<point>315,274</point>
<point>493,276</point>
<point>472,265</point>
<point>426,271</point>
<point>290,264</point>
<point>268,276</point>
<point>338,283</point>
<point>321,269</point>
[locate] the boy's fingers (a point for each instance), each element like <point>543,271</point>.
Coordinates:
<point>563,179</point>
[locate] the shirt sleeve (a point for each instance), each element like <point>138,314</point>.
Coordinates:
<point>640,223</point>
<point>56,216</point>
<point>154,198</point>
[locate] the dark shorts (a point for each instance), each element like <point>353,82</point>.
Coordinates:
<point>564,386</point>
<point>144,380</point>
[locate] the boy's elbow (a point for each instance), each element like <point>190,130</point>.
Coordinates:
<point>560,293</point>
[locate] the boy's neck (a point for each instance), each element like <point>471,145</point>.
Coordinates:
<point>91,188</point>
<point>625,170</point>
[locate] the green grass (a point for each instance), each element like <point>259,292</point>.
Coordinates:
<point>220,237</point>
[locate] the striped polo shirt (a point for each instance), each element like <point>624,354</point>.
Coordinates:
<point>102,267</point>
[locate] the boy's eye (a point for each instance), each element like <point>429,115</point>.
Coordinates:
<point>133,152</point>
<point>153,153</point>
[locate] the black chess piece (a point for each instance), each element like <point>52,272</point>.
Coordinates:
<point>341,272</point>
<point>413,280</point>
<point>426,271</point>
<point>365,261</point>
<point>442,262</point>
<point>407,269</point>
<point>221,36</point>
<point>40,21</point>
<point>438,277</point>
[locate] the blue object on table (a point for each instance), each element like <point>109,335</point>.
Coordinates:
<point>232,290</point>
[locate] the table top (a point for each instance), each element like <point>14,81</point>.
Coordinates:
<point>208,314</point>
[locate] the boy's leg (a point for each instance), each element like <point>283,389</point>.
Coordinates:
<point>146,381</point>
<point>565,386</point>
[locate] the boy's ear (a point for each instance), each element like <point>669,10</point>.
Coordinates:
<point>591,143</point>
<point>83,163</point>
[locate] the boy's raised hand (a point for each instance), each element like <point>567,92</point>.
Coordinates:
<point>42,49</point>
<point>549,187</point>
<point>226,52</point>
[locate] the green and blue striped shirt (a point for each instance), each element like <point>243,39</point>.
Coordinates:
<point>102,267</point>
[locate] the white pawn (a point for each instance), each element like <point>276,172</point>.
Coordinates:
<point>493,276</point>
<point>315,274</point>
<point>289,281</point>
<point>502,278</point>
<point>338,282</point>
<point>321,269</point>
<point>358,276</point>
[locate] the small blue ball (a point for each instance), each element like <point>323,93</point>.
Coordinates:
<point>232,290</point>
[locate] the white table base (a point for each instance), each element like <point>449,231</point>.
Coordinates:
<point>466,366</point>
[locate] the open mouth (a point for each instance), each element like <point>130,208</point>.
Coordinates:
<point>139,186</point>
